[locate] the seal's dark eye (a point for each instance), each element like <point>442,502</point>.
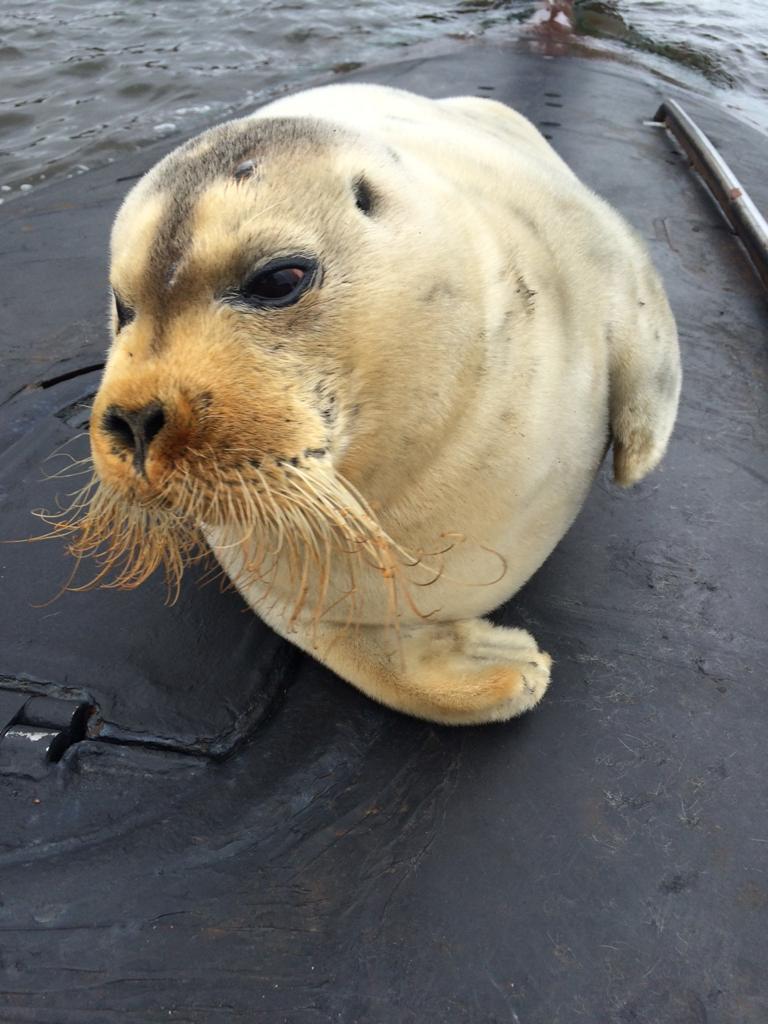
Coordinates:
<point>274,284</point>
<point>124,313</point>
<point>279,284</point>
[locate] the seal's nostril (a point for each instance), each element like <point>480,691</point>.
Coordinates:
<point>153,423</point>
<point>135,430</point>
<point>118,427</point>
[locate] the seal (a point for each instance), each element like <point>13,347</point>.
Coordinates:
<point>370,350</point>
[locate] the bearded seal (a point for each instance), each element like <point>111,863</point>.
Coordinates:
<point>371,349</point>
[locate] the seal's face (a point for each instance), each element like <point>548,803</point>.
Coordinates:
<point>233,374</point>
<point>231,326</point>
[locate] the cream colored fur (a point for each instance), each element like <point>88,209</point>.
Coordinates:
<point>487,331</point>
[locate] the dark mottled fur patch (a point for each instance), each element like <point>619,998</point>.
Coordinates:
<point>326,401</point>
<point>440,290</point>
<point>527,294</point>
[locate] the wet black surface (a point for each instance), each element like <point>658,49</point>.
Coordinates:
<point>602,859</point>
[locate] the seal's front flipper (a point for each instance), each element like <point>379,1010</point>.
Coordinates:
<point>644,384</point>
<point>454,673</point>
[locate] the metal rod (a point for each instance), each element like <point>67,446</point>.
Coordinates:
<point>745,218</point>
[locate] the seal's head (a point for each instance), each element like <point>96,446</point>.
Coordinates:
<point>229,273</point>
<point>255,315</point>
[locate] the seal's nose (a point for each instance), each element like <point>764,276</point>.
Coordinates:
<point>135,430</point>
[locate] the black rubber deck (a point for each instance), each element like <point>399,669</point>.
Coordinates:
<point>604,859</point>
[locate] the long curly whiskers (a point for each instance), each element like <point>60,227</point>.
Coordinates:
<point>303,524</point>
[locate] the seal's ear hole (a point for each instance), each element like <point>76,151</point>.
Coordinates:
<point>364,197</point>
<point>124,313</point>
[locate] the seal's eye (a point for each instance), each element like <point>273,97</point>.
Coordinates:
<point>124,313</point>
<point>279,284</point>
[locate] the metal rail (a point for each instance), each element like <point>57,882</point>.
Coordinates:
<point>745,218</point>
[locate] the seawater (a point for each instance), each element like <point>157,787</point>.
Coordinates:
<point>84,82</point>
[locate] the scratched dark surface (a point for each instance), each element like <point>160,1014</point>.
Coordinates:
<point>603,859</point>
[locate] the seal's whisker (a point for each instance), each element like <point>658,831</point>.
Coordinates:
<point>65,474</point>
<point>63,588</point>
<point>346,517</point>
<point>276,515</point>
<point>59,450</point>
<point>301,598</point>
<point>324,583</point>
<point>69,468</point>
<point>86,460</point>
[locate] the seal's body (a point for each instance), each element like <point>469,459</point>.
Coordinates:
<point>374,346</point>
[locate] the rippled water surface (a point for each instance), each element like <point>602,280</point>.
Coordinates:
<point>84,82</point>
